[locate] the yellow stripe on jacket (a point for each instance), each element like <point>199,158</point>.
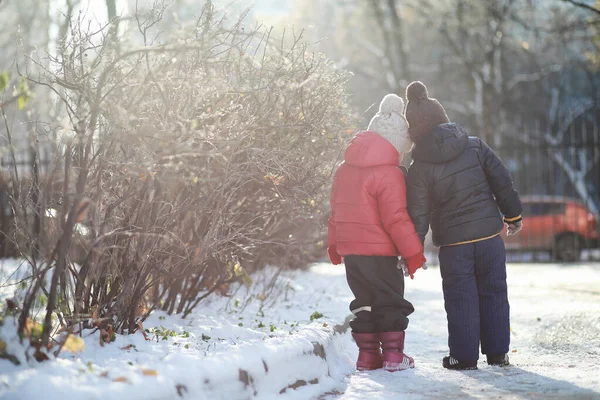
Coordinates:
<point>473,241</point>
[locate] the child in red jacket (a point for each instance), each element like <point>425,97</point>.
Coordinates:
<point>369,227</point>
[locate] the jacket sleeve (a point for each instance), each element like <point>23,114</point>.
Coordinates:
<point>391,202</point>
<point>331,237</point>
<point>501,184</point>
<point>419,205</point>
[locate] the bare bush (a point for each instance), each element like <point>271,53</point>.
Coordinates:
<point>184,165</point>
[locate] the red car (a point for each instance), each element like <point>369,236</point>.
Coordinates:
<point>558,225</point>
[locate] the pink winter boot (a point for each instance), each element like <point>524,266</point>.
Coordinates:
<point>394,358</point>
<point>369,351</point>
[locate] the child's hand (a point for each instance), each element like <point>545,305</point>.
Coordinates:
<point>412,264</point>
<point>334,257</point>
<point>514,228</point>
<point>403,266</point>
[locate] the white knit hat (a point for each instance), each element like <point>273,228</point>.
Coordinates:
<point>390,124</point>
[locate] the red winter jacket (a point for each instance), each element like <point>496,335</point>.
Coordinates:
<point>368,202</point>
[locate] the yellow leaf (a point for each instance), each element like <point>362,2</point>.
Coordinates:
<point>74,344</point>
<point>120,379</point>
<point>238,270</point>
<point>4,80</point>
<point>2,345</point>
<point>21,102</point>
<point>149,372</point>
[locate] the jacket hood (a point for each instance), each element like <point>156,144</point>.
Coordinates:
<point>368,149</point>
<point>444,143</point>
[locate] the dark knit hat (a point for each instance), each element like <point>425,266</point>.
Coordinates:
<point>422,113</point>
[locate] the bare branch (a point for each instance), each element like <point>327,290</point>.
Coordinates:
<point>583,5</point>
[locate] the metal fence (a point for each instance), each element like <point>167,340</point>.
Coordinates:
<point>556,169</point>
<point>557,172</point>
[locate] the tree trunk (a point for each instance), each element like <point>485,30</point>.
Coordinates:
<point>398,32</point>
<point>111,6</point>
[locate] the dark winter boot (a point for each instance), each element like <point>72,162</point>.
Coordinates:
<point>394,358</point>
<point>369,351</point>
<point>500,360</point>
<point>454,364</point>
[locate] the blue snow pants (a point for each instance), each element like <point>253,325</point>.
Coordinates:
<point>476,298</point>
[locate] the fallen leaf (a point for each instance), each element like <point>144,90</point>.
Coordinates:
<point>40,356</point>
<point>120,379</point>
<point>149,372</point>
<point>74,344</point>
<point>106,335</point>
<point>128,347</point>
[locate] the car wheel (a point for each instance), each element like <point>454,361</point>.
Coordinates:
<point>567,248</point>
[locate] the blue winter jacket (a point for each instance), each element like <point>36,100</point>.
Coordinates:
<point>459,186</point>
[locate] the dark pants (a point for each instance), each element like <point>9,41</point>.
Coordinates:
<point>476,299</point>
<point>378,287</point>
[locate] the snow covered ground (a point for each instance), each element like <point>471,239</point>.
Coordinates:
<point>241,347</point>
<point>555,349</point>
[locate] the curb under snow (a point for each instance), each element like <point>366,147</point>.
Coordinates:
<point>267,369</point>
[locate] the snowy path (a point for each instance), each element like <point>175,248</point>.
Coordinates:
<point>555,344</point>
